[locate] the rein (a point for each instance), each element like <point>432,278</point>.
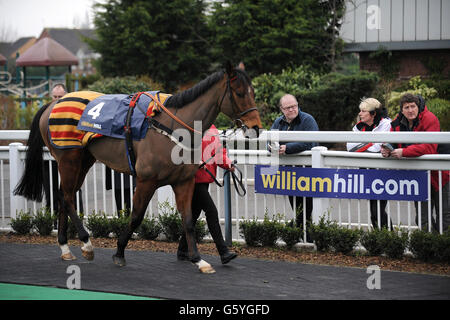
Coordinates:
<point>170,114</point>
<point>233,175</point>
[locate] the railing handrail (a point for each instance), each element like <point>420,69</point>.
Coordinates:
<point>306,136</point>
<point>349,136</point>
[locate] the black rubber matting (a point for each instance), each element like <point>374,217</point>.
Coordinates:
<point>157,274</point>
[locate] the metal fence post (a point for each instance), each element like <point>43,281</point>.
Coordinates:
<point>227,205</point>
<point>15,173</point>
<point>320,205</point>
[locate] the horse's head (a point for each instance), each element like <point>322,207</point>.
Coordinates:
<point>238,101</point>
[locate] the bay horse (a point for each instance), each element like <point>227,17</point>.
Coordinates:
<point>229,91</point>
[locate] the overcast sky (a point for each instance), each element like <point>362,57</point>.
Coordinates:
<point>27,18</point>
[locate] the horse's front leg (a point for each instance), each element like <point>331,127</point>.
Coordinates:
<point>142,196</point>
<point>183,195</point>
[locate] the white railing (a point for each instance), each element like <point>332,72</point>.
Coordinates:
<point>345,212</point>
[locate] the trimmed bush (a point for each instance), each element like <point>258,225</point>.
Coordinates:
<point>43,221</point>
<point>428,246</point>
<point>270,230</point>
<point>119,224</point>
<point>99,225</point>
<point>261,234</point>
<point>442,247</point>
<point>170,221</point>
<point>322,233</point>
<point>344,239</point>
<point>395,243</point>
<point>421,245</point>
<point>23,223</point>
<point>372,241</point>
<point>251,230</point>
<point>149,229</point>
<point>290,234</point>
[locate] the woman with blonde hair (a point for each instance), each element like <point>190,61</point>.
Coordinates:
<point>372,117</point>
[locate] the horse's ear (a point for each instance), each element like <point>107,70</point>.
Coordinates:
<point>229,68</point>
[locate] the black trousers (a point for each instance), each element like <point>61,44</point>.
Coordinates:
<point>374,213</point>
<point>299,210</point>
<point>202,200</point>
<point>126,200</point>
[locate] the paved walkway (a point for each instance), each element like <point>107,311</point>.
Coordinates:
<point>160,275</point>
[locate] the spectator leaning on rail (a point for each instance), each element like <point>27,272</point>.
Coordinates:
<point>414,116</point>
<point>293,119</point>
<point>373,117</point>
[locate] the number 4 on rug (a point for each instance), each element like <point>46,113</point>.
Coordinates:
<point>95,111</point>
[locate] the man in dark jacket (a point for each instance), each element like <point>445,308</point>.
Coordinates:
<point>414,116</point>
<point>293,119</point>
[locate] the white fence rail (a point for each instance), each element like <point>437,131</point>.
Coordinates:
<point>346,212</point>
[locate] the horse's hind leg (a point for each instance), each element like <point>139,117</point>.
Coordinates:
<point>144,192</point>
<point>183,195</point>
<point>73,166</point>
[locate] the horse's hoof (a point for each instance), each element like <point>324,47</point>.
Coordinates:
<point>68,256</point>
<point>88,255</point>
<point>119,261</point>
<point>204,267</point>
<point>207,269</point>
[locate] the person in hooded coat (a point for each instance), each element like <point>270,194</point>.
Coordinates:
<point>414,116</point>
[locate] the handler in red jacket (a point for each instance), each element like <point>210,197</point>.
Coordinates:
<point>415,116</point>
<point>214,155</point>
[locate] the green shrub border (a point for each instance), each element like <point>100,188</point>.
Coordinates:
<point>327,235</point>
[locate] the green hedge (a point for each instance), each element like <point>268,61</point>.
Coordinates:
<point>332,99</point>
<point>334,103</point>
<point>441,109</point>
<point>125,85</point>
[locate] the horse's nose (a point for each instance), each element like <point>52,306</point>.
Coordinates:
<point>252,133</point>
<point>256,128</point>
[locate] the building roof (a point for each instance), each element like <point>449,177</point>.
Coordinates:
<point>72,39</point>
<point>397,46</point>
<point>46,52</point>
<point>396,25</point>
<point>9,49</point>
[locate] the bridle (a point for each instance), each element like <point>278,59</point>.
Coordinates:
<point>234,105</point>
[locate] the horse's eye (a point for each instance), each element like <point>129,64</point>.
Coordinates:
<point>240,95</point>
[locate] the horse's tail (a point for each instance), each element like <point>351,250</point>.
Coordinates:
<point>31,183</point>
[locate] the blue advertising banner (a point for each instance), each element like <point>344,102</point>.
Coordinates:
<point>405,185</point>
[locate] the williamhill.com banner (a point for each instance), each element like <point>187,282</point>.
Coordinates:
<point>405,185</point>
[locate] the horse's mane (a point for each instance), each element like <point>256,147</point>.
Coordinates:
<point>183,98</point>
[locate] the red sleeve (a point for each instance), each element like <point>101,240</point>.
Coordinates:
<point>429,122</point>
<point>221,158</point>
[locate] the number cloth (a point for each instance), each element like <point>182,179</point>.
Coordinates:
<point>81,116</point>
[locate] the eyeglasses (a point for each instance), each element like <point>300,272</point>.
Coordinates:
<point>295,106</point>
